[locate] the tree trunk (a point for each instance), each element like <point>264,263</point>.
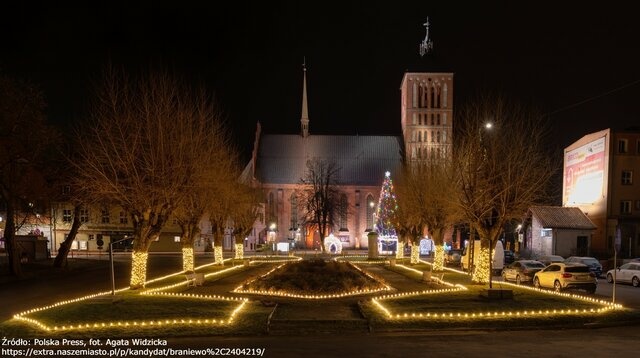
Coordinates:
<point>63,251</point>
<point>189,233</point>
<point>438,240</point>
<point>13,251</point>
<point>217,249</point>
<point>239,247</point>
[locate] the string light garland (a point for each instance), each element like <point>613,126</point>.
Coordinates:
<point>415,254</point>
<point>400,251</point>
<point>239,289</point>
<point>217,255</point>
<point>138,269</point>
<point>239,251</point>
<point>187,259</point>
<point>438,258</point>
<point>481,262</point>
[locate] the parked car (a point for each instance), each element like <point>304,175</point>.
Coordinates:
<point>452,257</point>
<point>521,271</point>
<point>509,257</point>
<point>550,259</point>
<point>561,276</point>
<point>629,272</point>
<point>592,262</point>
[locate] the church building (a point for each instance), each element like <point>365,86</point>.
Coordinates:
<point>278,163</point>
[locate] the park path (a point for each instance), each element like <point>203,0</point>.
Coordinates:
<point>299,316</point>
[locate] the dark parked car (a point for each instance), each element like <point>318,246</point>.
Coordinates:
<point>452,257</point>
<point>521,271</point>
<point>509,257</point>
<point>592,262</point>
<point>550,259</point>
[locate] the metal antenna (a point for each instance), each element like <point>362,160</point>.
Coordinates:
<point>427,44</point>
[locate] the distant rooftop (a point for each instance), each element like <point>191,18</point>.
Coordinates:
<point>558,217</point>
<point>363,160</point>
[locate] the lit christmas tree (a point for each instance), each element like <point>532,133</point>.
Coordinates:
<point>385,216</point>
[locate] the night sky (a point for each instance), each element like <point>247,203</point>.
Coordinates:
<point>577,62</point>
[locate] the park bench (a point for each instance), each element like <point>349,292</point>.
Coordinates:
<point>194,279</point>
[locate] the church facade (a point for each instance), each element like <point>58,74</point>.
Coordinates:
<point>278,164</point>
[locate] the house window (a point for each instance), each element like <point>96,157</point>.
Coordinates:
<point>105,216</point>
<point>343,213</point>
<point>622,146</point>
<point>84,215</point>
<point>176,239</point>
<point>370,210</point>
<point>627,177</point>
<point>123,218</point>
<point>66,215</point>
<point>637,204</point>
<point>294,211</point>
<point>66,190</point>
<point>625,207</point>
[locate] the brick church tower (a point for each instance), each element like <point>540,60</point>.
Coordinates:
<point>426,114</point>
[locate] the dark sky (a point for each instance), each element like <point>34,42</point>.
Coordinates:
<point>551,54</point>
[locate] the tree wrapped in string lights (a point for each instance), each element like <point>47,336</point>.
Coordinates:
<point>386,215</point>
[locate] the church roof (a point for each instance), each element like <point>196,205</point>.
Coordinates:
<point>557,217</point>
<point>363,160</point>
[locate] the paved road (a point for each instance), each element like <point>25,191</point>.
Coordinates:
<point>616,342</point>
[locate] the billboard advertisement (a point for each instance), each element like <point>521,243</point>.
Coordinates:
<point>584,173</point>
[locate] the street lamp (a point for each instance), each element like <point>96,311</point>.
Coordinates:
<point>113,279</point>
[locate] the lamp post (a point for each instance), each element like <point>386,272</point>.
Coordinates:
<point>113,279</point>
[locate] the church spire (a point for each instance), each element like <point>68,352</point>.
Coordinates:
<point>304,118</point>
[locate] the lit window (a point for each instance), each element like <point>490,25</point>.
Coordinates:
<point>176,239</point>
<point>66,215</point>
<point>625,207</point>
<point>622,146</point>
<point>84,215</point>
<point>627,177</point>
<point>105,216</point>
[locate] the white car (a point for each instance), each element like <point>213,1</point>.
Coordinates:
<point>560,276</point>
<point>629,272</point>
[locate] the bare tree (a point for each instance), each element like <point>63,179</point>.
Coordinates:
<point>211,180</point>
<point>25,143</point>
<point>321,197</point>
<point>409,223</point>
<point>436,199</point>
<point>223,208</point>
<point>143,152</point>
<point>245,214</point>
<point>500,172</point>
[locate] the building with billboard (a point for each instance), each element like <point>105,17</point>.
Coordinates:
<point>598,178</point>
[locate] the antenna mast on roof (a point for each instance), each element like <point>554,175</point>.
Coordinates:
<point>427,44</point>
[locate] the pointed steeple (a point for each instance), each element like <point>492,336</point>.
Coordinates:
<point>304,118</point>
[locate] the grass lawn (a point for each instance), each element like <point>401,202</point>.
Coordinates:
<point>314,276</point>
<point>251,320</point>
<point>469,302</point>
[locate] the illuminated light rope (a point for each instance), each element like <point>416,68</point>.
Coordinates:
<point>438,258</point>
<point>415,254</point>
<point>366,260</point>
<point>187,259</point>
<point>279,260</point>
<point>239,251</point>
<point>607,306</point>
<point>22,315</point>
<point>311,297</point>
<point>183,283</point>
<point>138,268</point>
<point>152,322</point>
<point>432,277</point>
<point>217,255</point>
